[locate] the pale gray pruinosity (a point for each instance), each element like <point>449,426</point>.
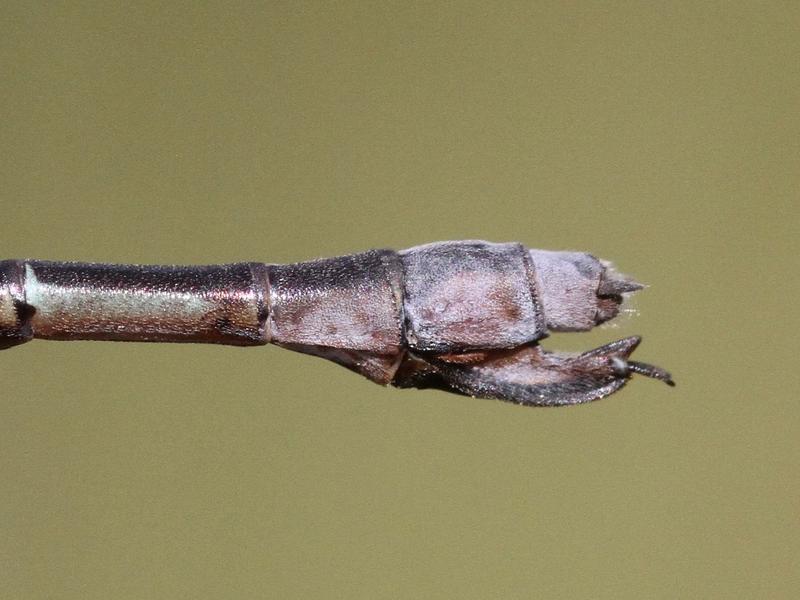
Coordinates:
<point>569,282</point>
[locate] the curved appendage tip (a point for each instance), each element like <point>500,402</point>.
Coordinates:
<point>532,376</point>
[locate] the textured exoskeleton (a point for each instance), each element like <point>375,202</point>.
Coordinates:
<point>461,316</point>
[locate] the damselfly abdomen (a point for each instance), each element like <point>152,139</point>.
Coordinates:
<point>462,316</point>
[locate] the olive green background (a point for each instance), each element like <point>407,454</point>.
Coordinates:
<point>666,138</point>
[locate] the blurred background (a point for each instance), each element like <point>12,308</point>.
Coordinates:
<point>664,137</point>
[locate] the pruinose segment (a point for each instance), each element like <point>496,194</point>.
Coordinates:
<point>463,316</point>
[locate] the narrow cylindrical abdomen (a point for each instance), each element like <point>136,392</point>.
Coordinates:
<point>223,304</point>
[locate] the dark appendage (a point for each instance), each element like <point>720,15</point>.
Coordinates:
<point>651,371</point>
<point>530,375</point>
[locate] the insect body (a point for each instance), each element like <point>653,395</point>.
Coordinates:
<point>464,316</point>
